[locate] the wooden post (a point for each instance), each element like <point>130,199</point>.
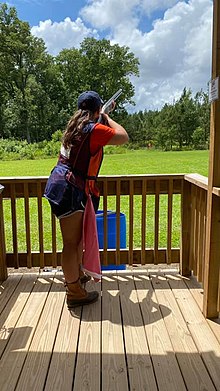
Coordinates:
<point>3,267</point>
<point>212,251</point>
<point>186,229</point>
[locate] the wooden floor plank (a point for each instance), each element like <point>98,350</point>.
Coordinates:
<point>61,370</point>
<point>36,365</point>
<point>13,310</point>
<point>88,364</point>
<point>197,293</point>
<point>7,288</point>
<point>114,371</point>
<point>192,367</point>
<point>16,350</point>
<point>205,340</point>
<point>166,367</point>
<point>195,288</point>
<point>140,369</point>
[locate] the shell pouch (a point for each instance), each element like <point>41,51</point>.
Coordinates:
<point>58,189</point>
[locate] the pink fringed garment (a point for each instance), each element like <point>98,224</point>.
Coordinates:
<point>91,259</point>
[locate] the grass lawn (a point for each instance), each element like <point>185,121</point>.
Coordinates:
<point>131,162</point>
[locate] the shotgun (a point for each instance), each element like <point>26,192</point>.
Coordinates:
<point>109,105</point>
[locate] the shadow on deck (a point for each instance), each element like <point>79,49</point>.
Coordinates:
<point>146,332</point>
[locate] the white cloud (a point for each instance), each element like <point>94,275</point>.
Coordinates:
<point>104,14</point>
<point>174,54</point>
<point>66,34</point>
<point>157,5</point>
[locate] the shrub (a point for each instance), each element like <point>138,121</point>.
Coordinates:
<point>114,149</point>
<point>11,149</point>
<point>51,149</point>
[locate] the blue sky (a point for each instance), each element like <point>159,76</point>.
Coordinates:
<point>34,11</point>
<point>171,38</point>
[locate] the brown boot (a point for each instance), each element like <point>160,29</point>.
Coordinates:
<point>84,278</point>
<point>76,295</point>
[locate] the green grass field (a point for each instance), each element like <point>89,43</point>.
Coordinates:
<point>131,162</point>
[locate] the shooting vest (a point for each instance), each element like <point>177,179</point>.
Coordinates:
<point>84,167</point>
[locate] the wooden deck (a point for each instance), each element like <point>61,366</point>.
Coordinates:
<point>146,332</point>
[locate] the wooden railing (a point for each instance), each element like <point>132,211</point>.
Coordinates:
<point>194,220</point>
<point>194,209</point>
<point>28,224</point>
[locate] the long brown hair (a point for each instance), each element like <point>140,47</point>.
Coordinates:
<point>75,127</point>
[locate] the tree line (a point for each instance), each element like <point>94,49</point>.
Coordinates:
<point>184,124</point>
<point>38,91</point>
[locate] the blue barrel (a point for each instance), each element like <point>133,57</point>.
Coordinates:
<point>111,234</point>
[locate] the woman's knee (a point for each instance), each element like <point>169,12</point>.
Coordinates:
<point>71,229</point>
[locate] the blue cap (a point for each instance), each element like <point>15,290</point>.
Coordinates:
<point>89,100</point>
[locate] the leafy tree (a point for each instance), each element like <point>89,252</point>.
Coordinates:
<point>134,128</point>
<point>198,138</point>
<point>141,127</point>
<point>108,67</point>
<point>22,58</point>
<point>185,119</point>
<point>166,127</point>
<point>203,113</point>
<point>185,123</point>
<point>97,65</point>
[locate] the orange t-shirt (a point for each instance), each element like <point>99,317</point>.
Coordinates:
<point>100,136</point>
